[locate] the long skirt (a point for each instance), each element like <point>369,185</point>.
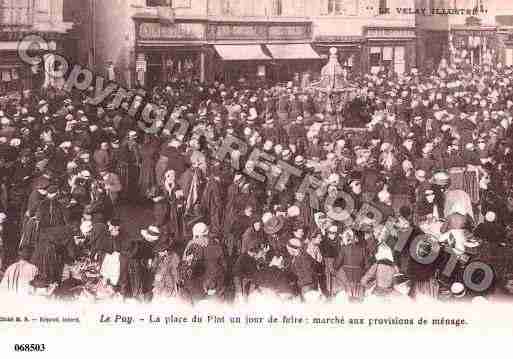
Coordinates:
<point>471,185</point>
<point>426,288</point>
<point>147,180</point>
<point>48,261</point>
<point>122,172</point>
<point>135,279</point>
<point>30,232</point>
<point>354,290</point>
<point>129,178</point>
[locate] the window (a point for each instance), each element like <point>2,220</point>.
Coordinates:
<point>399,62</point>
<point>375,56</point>
<point>153,3</point>
<point>288,7</point>
<point>180,4</point>
<point>277,7</point>
<point>343,7</point>
<point>334,7</point>
<point>383,6</point>
<point>232,7</point>
<point>175,4</point>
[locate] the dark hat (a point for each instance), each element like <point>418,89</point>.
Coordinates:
<point>53,189</point>
<point>405,211</point>
<point>355,176</point>
<point>115,222</point>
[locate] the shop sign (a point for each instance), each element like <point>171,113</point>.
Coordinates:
<point>335,38</point>
<point>258,31</point>
<point>176,31</point>
<point>231,32</point>
<point>390,33</point>
<point>288,31</point>
<point>479,33</point>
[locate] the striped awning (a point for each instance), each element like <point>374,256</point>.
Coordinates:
<point>293,52</point>
<point>241,52</point>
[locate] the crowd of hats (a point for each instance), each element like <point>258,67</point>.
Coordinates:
<point>417,115</point>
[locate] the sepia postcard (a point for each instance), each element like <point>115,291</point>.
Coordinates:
<point>192,175</point>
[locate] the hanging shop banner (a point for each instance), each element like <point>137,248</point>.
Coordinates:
<point>388,53</point>
<point>261,70</point>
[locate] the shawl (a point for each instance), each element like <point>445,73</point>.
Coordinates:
<point>212,204</point>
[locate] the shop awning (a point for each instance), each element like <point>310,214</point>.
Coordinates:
<point>293,52</point>
<point>241,52</point>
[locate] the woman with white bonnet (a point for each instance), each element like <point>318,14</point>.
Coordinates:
<point>200,237</point>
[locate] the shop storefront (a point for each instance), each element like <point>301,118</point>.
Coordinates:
<point>241,63</point>
<point>168,51</point>
<point>291,61</point>
<point>476,44</point>
<point>15,75</point>
<point>230,52</point>
<point>390,48</point>
<point>261,52</point>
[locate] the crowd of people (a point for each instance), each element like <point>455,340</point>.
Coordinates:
<point>434,158</point>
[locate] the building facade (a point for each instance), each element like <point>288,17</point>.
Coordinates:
<point>368,33</point>
<point>19,18</point>
<point>468,33</point>
<point>147,41</point>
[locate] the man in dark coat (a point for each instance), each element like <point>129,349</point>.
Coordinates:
<point>51,212</point>
<point>490,230</point>
<point>301,268</point>
<point>212,202</point>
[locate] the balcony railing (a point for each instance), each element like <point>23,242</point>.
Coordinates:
<point>17,13</point>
